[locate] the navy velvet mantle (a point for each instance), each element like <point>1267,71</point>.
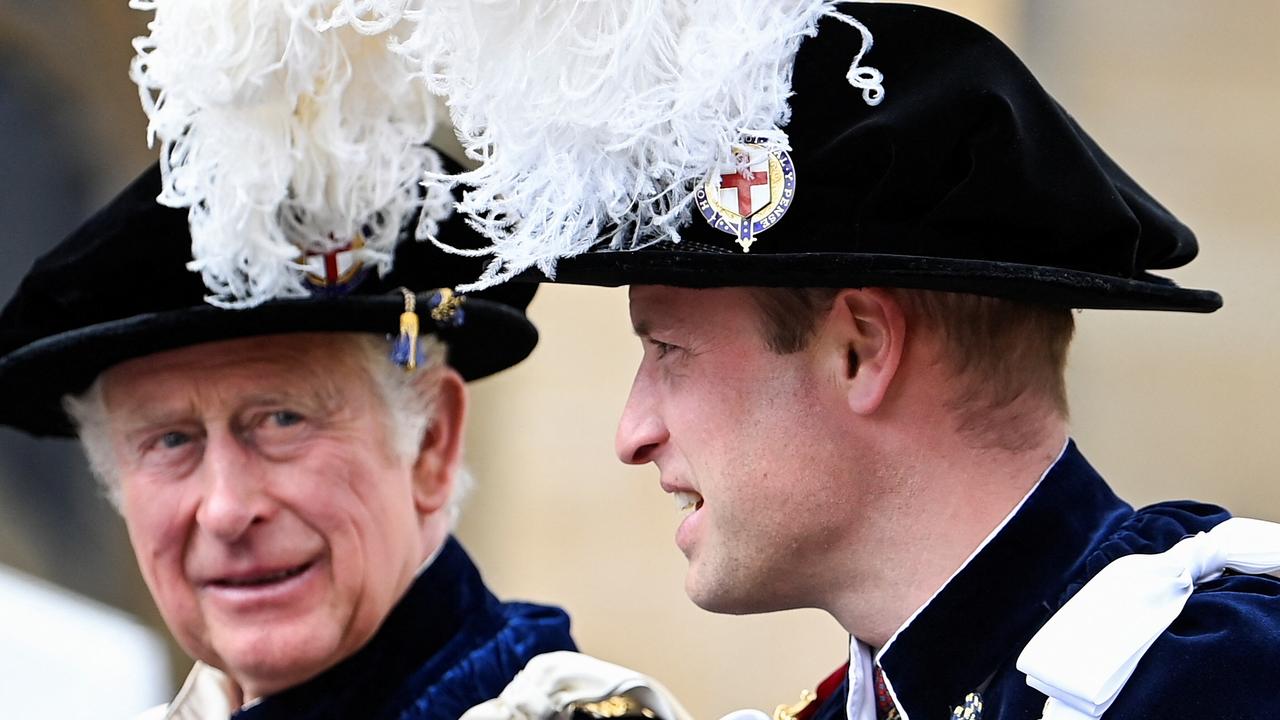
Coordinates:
<point>448,645</point>
<point>1218,660</point>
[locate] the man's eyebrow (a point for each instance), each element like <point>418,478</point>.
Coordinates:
<point>273,397</point>
<point>641,328</point>
<point>145,418</point>
<point>323,395</point>
<point>133,422</point>
<point>144,409</point>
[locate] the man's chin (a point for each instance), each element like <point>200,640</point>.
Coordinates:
<point>733,596</point>
<point>728,606</point>
<point>264,663</point>
<point>719,595</point>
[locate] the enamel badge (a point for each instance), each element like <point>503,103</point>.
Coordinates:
<point>970,710</point>
<point>751,196</point>
<point>336,272</point>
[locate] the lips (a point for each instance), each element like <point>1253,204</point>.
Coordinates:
<point>687,500</point>
<point>263,588</point>
<point>259,578</point>
<point>689,503</point>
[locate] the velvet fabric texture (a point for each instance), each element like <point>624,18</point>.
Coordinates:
<point>118,288</point>
<point>447,646</point>
<point>968,177</point>
<point>1217,660</point>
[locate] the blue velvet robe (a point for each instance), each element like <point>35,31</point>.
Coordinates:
<point>447,646</point>
<point>1220,660</point>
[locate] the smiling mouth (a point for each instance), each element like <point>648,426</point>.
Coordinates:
<point>261,580</point>
<point>687,501</point>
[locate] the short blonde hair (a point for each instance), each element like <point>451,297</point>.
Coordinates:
<point>1002,350</point>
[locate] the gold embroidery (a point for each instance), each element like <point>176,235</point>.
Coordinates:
<point>970,710</point>
<point>789,712</point>
<point>448,307</point>
<point>618,706</point>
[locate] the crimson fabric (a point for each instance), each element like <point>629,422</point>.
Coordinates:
<point>118,288</point>
<point>834,687</point>
<point>1217,660</point>
<point>968,177</point>
<point>885,709</point>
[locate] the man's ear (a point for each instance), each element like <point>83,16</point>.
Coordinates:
<point>868,326</point>
<point>440,453</point>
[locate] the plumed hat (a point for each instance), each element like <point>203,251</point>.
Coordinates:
<point>788,144</point>
<point>292,141</point>
<point>118,288</point>
<point>284,126</point>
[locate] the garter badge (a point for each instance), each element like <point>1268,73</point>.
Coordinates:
<point>336,272</point>
<point>750,197</point>
<point>970,710</point>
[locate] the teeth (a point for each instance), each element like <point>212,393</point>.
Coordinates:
<point>687,501</point>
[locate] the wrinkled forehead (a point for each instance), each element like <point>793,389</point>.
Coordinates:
<point>289,364</point>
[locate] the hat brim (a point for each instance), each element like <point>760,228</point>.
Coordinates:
<point>33,379</point>
<point>1028,283</point>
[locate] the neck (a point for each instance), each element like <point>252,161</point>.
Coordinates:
<point>435,531</point>
<point>934,512</point>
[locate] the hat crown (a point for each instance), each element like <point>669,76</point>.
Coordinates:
<point>965,176</point>
<point>967,157</point>
<point>129,258</point>
<point>119,287</point>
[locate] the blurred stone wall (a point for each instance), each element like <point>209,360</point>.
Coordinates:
<point>1185,96</point>
<point>71,135</point>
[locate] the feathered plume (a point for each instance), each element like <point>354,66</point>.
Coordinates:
<point>597,118</point>
<point>284,125</point>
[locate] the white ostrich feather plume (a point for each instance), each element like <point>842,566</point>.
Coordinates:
<point>596,119</point>
<point>284,125</point>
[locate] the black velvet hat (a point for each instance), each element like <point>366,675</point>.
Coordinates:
<point>117,288</point>
<point>967,177</point>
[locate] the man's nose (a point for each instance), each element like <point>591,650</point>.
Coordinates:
<point>234,498</point>
<point>641,431</point>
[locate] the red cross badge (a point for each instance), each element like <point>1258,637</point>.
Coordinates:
<point>750,196</point>
<point>337,271</point>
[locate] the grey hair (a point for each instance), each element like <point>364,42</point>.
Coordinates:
<point>410,405</point>
<point>409,409</point>
<point>88,411</point>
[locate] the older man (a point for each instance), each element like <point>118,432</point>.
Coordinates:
<point>853,354</point>
<point>288,488</point>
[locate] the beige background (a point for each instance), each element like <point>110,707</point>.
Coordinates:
<point>1183,93</point>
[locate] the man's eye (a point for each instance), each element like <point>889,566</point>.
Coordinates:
<point>278,430</point>
<point>661,348</point>
<point>286,418</point>
<point>174,439</point>
<point>167,446</point>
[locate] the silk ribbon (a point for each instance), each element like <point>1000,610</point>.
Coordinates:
<point>1085,654</point>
